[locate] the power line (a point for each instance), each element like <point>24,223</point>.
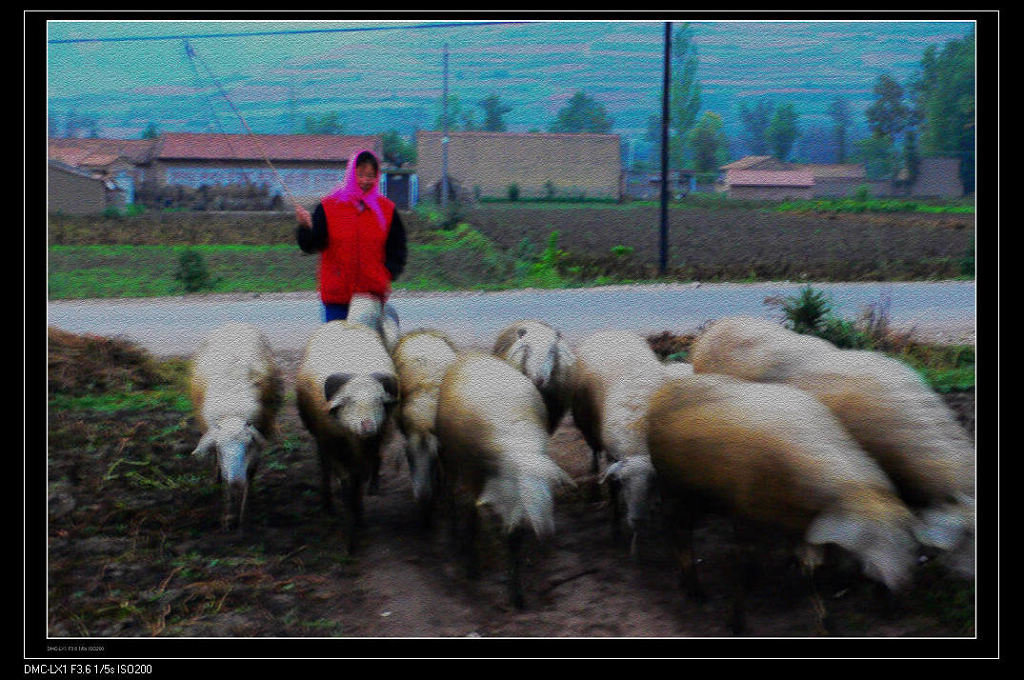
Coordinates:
<point>305,31</point>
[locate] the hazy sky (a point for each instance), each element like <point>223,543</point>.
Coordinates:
<point>377,78</point>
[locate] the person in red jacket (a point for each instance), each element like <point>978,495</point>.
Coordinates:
<point>359,235</point>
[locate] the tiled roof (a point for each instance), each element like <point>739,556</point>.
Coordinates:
<point>509,135</point>
<point>769,178</point>
<point>212,146</point>
<point>833,170</point>
<point>746,162</point>
<point>74,150</point>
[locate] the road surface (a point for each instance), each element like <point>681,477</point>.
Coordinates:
<point>174,326</point>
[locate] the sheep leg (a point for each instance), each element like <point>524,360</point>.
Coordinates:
<point>373,489</point>
<point>326,498</point>
<point>682,520</point>
<point>822,620</point>
<point>470,543</point>
<point>615,509</point>
<point>515,563</point>
<point>594,488</point>
<point>744,570</point>
<point>352,498</point>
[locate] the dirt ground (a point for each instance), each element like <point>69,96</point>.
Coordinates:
<point>135,550</point>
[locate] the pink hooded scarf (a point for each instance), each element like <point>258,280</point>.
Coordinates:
<point>350,192</point>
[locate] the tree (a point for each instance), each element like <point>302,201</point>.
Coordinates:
<point>708,142</point>
<point>396,150</point>
<point>839,110</point>
<point>878,155</point>
<point>755,121</point>
<point>150,132</point>
<point>943,96</point>
<point>781,132</point>
<point>911,155</point>
<point>684,94</point>
<point>325,124</point>
<point>888,115</point>
<point>582,113</point>
<point>458,117</point>
<point>494,110</point>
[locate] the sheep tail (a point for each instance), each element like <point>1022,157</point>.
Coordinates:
<point>525,497</point>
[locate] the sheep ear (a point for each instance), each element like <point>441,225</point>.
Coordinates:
<point>206,442</point>
<point>611,471</point>
<point>260,439</point>
<point>388,382</point>
<point>334,382</point>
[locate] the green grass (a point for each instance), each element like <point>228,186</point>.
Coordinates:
<point>110,402</point>
<point>873,205</point>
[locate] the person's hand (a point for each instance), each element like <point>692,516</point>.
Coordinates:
<point>303,217</point>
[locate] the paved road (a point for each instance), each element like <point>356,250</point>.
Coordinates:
<point>175,326</point>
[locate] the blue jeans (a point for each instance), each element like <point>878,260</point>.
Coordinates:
<point>333,312</point>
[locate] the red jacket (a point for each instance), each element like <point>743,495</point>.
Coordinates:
<point>353,261</point>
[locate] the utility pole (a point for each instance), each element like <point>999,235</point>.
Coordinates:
<point>444,134</point>
<point>663,251</point>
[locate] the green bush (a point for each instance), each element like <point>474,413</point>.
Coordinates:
<point>192,272</point>
<point>513,192</point>
<point>807,311</point>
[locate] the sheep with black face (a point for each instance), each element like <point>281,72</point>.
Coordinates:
<point>347,389</point>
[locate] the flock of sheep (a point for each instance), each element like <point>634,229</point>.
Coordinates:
<point>776,429</point>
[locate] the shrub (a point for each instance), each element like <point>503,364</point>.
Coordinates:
<point>807,311</point>
<point>622,251</point>
<point>192,271</point>
<point>513,192</point>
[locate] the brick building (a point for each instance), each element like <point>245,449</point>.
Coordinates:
<point>309,165</point>
<point>73,191</point>
<point>486,164</point>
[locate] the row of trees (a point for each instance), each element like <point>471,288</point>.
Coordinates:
<point>933,115</point>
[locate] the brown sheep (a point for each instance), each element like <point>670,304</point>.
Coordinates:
<point>774,456</point>
<point>887,407</point>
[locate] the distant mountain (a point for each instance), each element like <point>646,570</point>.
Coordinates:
<point>393,79</point>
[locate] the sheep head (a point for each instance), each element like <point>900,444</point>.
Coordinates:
<point>633,484</point>
<point>360,404</point>
<point>539,351</point>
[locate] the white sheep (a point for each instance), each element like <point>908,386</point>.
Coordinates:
<point>775,456</point>
<point>615,373</point>
<point>383,318</point>
<point>235,388</point>
<point>421,358</point>
<point>750,348</point>
<point>541,354</point>
<point>492,434</point>
<point>346,389</point>
<point>887,407</point>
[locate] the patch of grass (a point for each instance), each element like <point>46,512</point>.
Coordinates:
<point>112,402</point>
<point>873,205</point>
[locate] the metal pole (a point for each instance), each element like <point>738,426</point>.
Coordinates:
<point>444,134</point>
<point>663,260</point>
